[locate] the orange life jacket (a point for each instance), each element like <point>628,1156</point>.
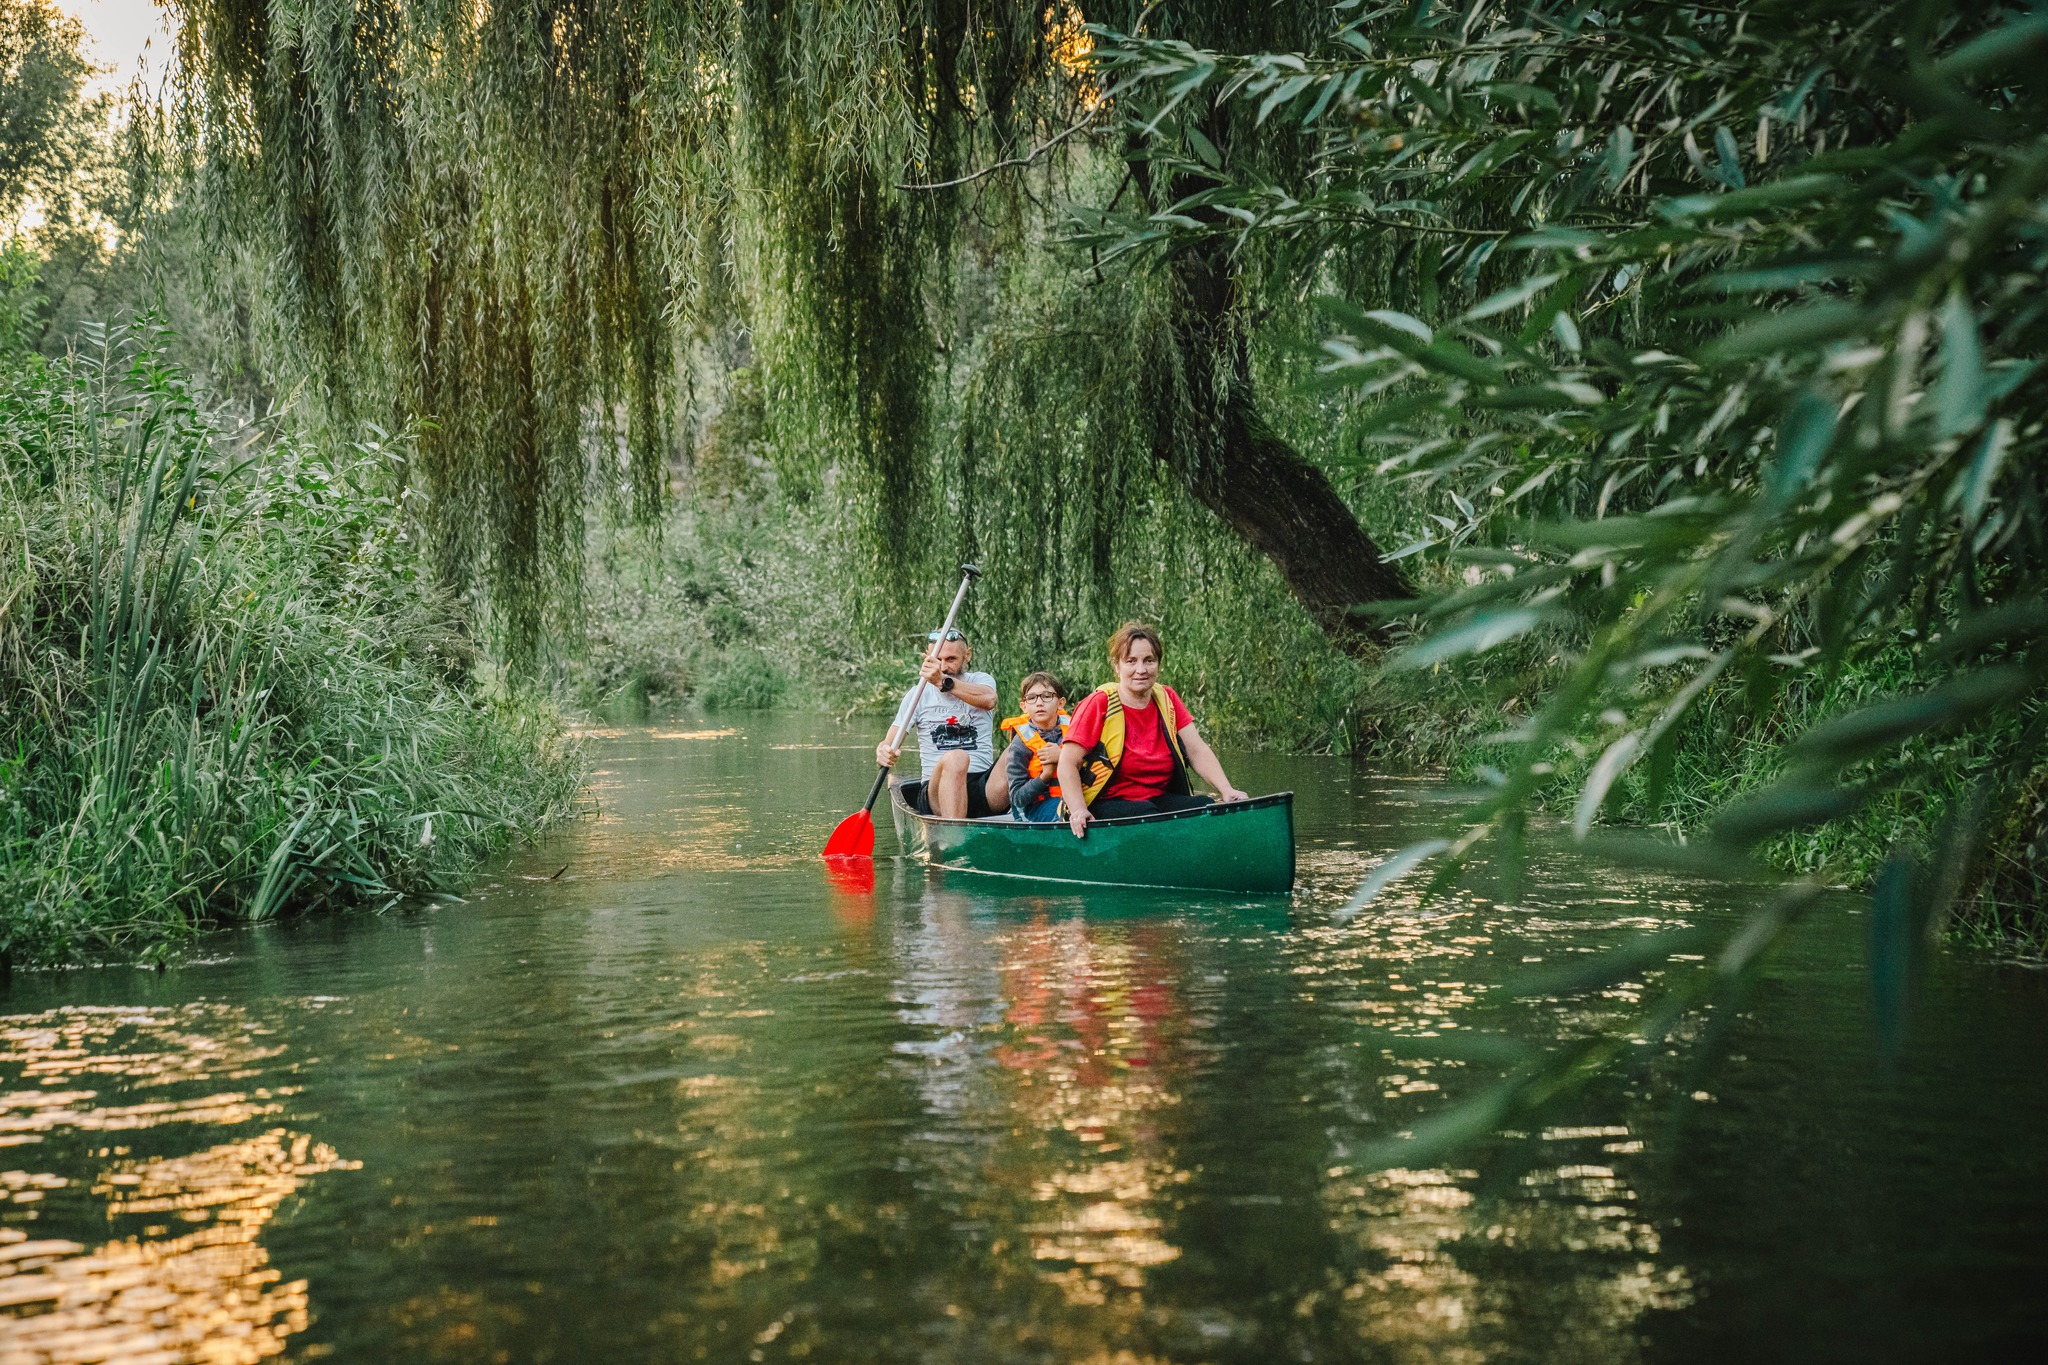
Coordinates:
<point>1045,749</point>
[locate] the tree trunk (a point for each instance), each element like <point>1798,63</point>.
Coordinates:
<point>1287,509</point>
<point>1244,472</point>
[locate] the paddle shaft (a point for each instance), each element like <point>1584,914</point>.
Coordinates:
<point>881,778</point>
<point>967,576</point>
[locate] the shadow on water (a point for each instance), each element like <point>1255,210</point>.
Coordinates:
<point>659,1090</point>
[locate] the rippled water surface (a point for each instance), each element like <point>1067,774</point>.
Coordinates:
<point>682,1101</point>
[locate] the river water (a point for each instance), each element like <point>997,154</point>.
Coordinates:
<point>685,1101</point>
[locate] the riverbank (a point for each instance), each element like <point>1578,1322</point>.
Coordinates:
<point>226,691</point>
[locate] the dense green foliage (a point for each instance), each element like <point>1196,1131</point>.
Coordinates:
<point>63,193</point>
<point>46,127</point>
<point>522,226</point>
<point>224,688</point>
<point>1718,363</point>
<point>751,593</point>
<point>1687,347</point>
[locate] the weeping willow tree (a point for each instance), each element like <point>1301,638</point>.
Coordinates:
<point>467,257</point>
<point>496,222</point>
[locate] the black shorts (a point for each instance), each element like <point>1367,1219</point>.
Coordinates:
<point>977,797</point>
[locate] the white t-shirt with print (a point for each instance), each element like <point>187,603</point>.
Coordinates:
<point>945,724</point>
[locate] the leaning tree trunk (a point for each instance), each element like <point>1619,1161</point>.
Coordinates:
<point>1247,474</point>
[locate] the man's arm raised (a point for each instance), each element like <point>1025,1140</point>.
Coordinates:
<point>980,696</point>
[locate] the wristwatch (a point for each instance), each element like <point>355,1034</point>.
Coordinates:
<point>946,683</point>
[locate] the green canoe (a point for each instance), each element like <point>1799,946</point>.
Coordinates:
<point>1247,846</point>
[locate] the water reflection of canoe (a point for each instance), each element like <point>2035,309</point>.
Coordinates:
<point>1247,846</point>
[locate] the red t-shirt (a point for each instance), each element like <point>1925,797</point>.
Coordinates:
<point>1147,763</point>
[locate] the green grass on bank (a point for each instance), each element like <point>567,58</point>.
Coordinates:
<point>224,692</point>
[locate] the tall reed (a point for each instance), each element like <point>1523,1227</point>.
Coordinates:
<point>224,690</point>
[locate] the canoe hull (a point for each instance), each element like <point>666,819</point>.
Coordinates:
<point>1246,847</point>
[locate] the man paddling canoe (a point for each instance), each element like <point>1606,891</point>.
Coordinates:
<point>1122,756</point>
<point>955,723</point>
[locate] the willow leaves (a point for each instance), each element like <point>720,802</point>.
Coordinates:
<point>1729,386</point>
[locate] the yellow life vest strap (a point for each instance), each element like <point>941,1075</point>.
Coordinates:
<point>1101,763</point>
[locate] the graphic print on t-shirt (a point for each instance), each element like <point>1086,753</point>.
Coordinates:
<point>951,733</point>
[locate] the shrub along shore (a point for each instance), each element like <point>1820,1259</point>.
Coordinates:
<point>225,691</point>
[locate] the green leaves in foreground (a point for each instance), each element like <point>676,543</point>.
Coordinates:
<point>1719,407</point>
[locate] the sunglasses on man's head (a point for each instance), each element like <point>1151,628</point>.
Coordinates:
<point>949,636</point>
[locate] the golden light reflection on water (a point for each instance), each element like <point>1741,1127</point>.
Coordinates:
<point>193,1283</point>
<point>716,837</point>
<point>1092,1050</point>
<point>1093,1027</point>
<point>143,1045</point>
<point>1086,1057</point>
<point>1428,1232</point>
<point>1429,1240</point>
<point>204,1295</point>
<point>1431,1291</point>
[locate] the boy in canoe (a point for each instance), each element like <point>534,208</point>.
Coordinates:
<point>955,723</point>
<point>1132,742</point>
<point>1032,764</point>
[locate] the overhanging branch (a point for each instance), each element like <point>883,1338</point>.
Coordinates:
<point>1025,160</point>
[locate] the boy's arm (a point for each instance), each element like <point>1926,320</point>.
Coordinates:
<point>1025,790</point>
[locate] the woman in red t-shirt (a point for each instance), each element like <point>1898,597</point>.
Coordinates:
<point>1147,779</point>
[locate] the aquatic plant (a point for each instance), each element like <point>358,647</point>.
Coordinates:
<point>224,689</point>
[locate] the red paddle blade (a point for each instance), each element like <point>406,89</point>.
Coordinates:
<point>855,837</point>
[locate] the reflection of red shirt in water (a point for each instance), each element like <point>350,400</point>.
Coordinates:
<point>1148,763</point>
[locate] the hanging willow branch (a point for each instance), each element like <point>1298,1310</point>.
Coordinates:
<point>501,226</point>
<point>1010,163</point>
